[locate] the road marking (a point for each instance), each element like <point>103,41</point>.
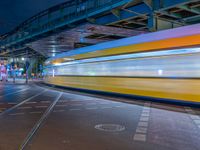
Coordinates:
<point>61,105</point>
<point>91,104</point>
<point>76,104</point>
<point>40,122</point>
<point>12,103</point>
<point>61,101</point>
<point>140,137</point>
<point>14,92</point>
<point>143,124</point>
<point>45,101</point>
<point>36,112</point>
<point>59,110</point>
<point>106,107</point>
<point>15,114</point>
<point>90,108</point>
<point>23,102</point>
<point>41,106</point>
<point>121,106</point>
<point>24,107</point>
<point>142,128</point>
<point>74,109</point>
<point>30,102</point>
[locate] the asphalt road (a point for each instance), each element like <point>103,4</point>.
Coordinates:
<point>34,117</point>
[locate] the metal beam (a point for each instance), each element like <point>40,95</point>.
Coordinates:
<point>167,4</point>
<point>187,8</point>
<point>138,10</point>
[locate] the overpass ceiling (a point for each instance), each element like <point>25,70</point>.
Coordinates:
<point>132,18</point>
<point>84,35</point>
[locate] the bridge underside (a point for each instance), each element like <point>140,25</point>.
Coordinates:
<point>73,25</point>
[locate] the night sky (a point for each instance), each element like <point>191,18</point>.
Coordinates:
<point>14,12</point>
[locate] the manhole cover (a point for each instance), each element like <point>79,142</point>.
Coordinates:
<point>110,127</point>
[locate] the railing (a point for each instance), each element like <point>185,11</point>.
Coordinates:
<point>57,17</point>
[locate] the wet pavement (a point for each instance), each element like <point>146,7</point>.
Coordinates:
<point>34,117</point>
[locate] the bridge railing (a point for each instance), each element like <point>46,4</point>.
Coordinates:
<point>57,17</point>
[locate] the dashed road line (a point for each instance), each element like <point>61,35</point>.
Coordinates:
<point>91,104</point>
<point>59,110</point>
<point>35,112</point>
<point>45,101</point>
<point>106,107</point>
<point>74,109</point>
<point>61,105</point>
<point>41,106</point>
<point>16,114</point>
<point>76,104</point>
<point>23,102</point>
<point>24,107</point>
<point>104,103</point>
<point>142,128</point>
<point>61,101</point>
<point>91,108</point>
<point>14,92</point>
<point>30,102</point>
<point>12,103</point>
<point>40,122</point>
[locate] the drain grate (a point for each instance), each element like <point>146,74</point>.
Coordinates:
<point>110,127</point>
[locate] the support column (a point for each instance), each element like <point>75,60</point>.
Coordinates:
<point>27,66</point>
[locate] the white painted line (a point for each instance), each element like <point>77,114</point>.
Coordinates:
<point>74,109</point>
<point>12,103</point>
<point>76,104</point>
<point>14,92</point>
<point>91,104</point>
<point>104,103</point>
<point>90,108</point>
<point>45,101</point>
<point>36,112</point>
<point>30,102</point>
<point>61,105</point>
<point>59,110</point>
<point>15,114</point>
<point>24,107</point>
<point>146,111</point>
<point>144,119</point>
<point>141,130</point>
<point>139,137</point>
<point>39,123</point>
<point>23,102</point>
<point>145,115</point>
<point>41,106</point>
<point>106,107</point>
<point>61,101</point>
<point>122,106</point>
